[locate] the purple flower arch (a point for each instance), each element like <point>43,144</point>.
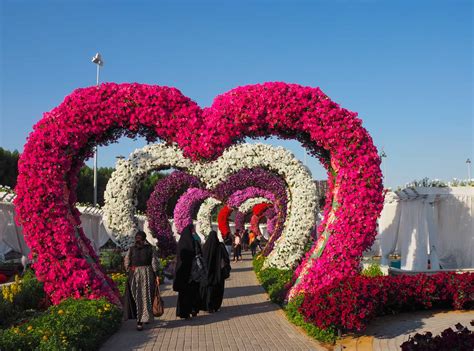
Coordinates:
<point>240,196</point>
<point>173,186</point>
<point>266,181</point>
<point>60,142</point>
<point>187,205</point>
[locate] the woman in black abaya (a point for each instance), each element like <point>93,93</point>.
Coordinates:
<point>218,268</point>
<point>188,292</point>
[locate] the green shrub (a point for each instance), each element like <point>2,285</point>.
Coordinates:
<point>32,294</point>
<point>71,325</point>
<point>112,260</point>
<point>292,312</point>
<point>275,281</point>
<point>373,270</point>
<point>258,261</point>
<point>8,313</point>
<point>120,279</point>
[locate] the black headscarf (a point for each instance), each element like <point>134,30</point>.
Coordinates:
<point>212,254</point>
<point>184,259</point>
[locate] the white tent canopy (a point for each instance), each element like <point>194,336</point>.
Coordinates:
<point>422,224</point>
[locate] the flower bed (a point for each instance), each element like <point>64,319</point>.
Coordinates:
<point>351,304</point>
<point>22,299</point>
<point>70,325</point>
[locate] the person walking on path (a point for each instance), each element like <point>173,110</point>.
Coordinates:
<point>142,264</point>
<point>253,243</point>
<point>228,244</point>
<point>237,247</point>
<point>245,240</point>
<point>188,291</point>
<point>218,269</point>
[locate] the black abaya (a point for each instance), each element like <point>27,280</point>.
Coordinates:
<point>216,257</point>
<point>188,293</point>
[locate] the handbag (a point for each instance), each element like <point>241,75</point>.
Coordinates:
<point>158,303</point>
<point>198,269</point>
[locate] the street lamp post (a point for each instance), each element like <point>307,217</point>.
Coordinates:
<point>382,156</point>
<point>468,162</point>
<point>97,59</point>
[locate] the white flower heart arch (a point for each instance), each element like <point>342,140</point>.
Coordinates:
<point>120,194</point>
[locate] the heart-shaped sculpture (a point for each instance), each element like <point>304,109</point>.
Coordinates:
<point>65,137</point>
<point>244,184</point>
<point>119,209</point>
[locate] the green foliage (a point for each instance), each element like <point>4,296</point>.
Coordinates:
<point>9,313</point>
<point>163,264</point>
<point>112,260</point>
<point>8,167</point>
<point>145,190</point>
<point>31,294</point>
<point>85,185</point>
<point>373,271</point>
<point>27,300</point>
<point>292,312</point>
<point>258,262</point>
<point>273,280</point>
<point>71,325</point>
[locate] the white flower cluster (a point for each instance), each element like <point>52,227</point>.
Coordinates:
<point>120,195</point>
<point>248,204</point>
<point>203,219</point>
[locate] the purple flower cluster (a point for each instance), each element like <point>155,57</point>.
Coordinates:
<point>187,205</point>
<point>167,190</point>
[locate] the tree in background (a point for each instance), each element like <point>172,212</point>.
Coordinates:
<point>8,167</point>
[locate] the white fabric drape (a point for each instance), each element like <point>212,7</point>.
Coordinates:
<point>10,234</point>
<point>389,224</point>
<point>456,232</point>
<point>433,224</point>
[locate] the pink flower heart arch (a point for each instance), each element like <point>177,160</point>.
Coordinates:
<point>65,136</point>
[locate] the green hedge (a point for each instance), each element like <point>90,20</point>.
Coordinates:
<point>277,282</point>
<point>71,325</point>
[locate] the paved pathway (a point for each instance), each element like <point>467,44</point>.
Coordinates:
<point>247,321</point>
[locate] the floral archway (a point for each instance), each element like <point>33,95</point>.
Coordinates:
<point>166,189</point>
<point>65,137</point>
<point>222,176</point>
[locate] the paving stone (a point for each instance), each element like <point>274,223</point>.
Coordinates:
<point>246,321</point>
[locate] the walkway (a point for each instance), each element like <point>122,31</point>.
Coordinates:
<point>247,321</point>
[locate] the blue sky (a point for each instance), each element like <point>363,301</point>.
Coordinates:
<point>404,66</point>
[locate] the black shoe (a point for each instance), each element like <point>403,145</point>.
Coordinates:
<point>139,326</point>
<point>194,314</point>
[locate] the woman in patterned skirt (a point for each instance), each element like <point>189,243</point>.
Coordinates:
<point>142,265</point>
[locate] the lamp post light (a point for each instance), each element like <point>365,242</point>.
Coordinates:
<point>382,156</point>
<point>97,59</point>
<point>468,162</point>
